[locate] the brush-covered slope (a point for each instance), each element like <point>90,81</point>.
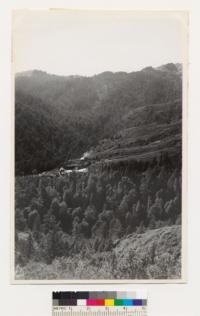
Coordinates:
<point>155,254</point>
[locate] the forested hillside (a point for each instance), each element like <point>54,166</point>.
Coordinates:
<point>61,117</point>
<point>80,218</point>
<point>121,218</point>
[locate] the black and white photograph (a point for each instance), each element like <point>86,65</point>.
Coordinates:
<point>99,107</point>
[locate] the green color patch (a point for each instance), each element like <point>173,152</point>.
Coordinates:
<point>119,303</point>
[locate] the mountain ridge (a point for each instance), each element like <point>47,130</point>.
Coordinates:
<point>66,116</point>
<point>30,72</point>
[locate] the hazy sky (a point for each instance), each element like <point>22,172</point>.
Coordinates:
<point>85,43</point>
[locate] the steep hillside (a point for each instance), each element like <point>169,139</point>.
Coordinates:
<point>159,249</point>
<point>119,90</point>
<point>137,144</point>
<point>121,218</point>
<point>58,118</point>
<point>152,132</point>
<point>151,255</point>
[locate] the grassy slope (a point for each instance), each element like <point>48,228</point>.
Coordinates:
<point>155,254</point>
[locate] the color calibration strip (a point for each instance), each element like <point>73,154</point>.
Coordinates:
<point>99,303</point>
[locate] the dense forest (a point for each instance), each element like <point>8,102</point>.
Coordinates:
<point>83,213</point>
<point>77,225</point>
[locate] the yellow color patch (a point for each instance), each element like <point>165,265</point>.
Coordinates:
<point>109,302</point>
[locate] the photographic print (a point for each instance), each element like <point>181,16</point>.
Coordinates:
<point>99,146</point>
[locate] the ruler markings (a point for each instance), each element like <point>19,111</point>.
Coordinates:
<point>101,311</point>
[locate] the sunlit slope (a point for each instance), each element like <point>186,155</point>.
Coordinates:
<point>153,131</point>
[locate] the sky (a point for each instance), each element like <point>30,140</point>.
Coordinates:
<point>67,42</point>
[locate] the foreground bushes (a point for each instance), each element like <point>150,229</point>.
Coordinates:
<point>152,255</point>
